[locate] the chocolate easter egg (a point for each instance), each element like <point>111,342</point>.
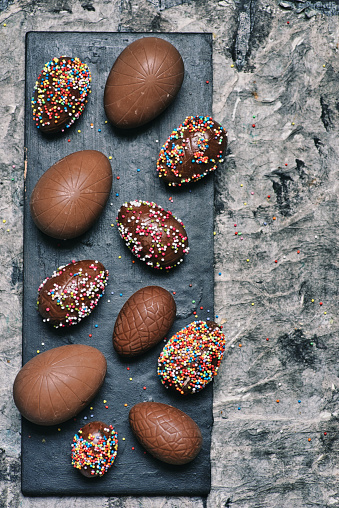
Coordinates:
<point>166,432</point>
<point>153,234</point>
<point>70,196</point>
<point>94,449</point>
<point>191,358</point>
<point>60,93</point>
<point>143,82</point>
<point>57,384</point>
<point>72,292</point>
<point>192,151</point>
<point>143,321</point>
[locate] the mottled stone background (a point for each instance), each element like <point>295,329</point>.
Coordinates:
<point>276,91</point>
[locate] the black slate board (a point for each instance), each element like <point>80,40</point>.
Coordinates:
<point>46,467</point>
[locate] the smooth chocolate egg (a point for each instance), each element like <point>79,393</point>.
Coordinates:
<point>191,358</point>
<point>192,151</point>
<point>143,82</point>
<point>72,292</point>
<point>143,321</point>
<point>57,384</point>
<point>94,449</point>
<point>153,234</point>
<point>166,432</point>
<point>70,196</point>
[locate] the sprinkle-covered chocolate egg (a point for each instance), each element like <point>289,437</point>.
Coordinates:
<point>191,358</point>
<point>72,292</point>
<point>166,432</point>
<point>192,151</point>
<point>153,234</point>
<point>57,384</point>
<point>60,93</point>
<point>70,196</point>
<point>143,321</point>
<point>94,449</point>
<point>143,82</point>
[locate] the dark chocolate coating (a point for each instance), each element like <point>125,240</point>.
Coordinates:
<point>57,384</point>
<point>166,432</point>
<point>143,82</point>
<point>70,196</point>
<point>94,449</point>
<point>143,321</point>
<point>153,234</point>
<point>192,151</point>
<point>72,292</point>
<point>60,94</point>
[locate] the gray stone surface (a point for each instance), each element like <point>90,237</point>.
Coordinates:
<point>279,65</point>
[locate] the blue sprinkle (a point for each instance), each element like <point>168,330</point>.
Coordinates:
<point>96,326</point>
<point>265,223</point>
<point>219,273</point>
<point>99,130</point>
<point>117,194</point>
<point>299,401</point>
<point>239,408</point>
<point>216,317</point>
<point>120,294</point>
<point>138,170</point>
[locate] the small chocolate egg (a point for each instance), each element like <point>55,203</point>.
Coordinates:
<point>94,449</point>
<point>192,151</point>
<point>191,358</point>
<point>60,93</point>
<point>57,384</point>
<point>144,80</point>
<point>72,292</point>
<point>70,196</point>
<point>166,432</point>
<point>153,234</point>
<point>143,321</point>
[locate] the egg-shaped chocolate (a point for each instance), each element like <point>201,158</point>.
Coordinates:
<point>144,80</point>
<point>191,358</point>
<point>57,384</point>
<point>70,196</point>
<point>166,432</point>
<point>191,151</point>
<point>153,234</point>
<point>94,449</point>
<point>60,93</point>
<point>143,321</point>
<point>72,292</point>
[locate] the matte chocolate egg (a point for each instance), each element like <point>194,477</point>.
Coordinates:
<point>166,432</point>
<point>57,384</point>
<point>143,82</point>
<point>60,93</point>
<point>94,449</point>
<point>192,151</point>
<point>191,358</point>
<point>70,196</point>
<point>72,292</point>
<point>153,234</point>
<point>143,321</point>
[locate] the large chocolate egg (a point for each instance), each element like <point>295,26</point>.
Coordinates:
<point>192,151</point>
<point>60,93</point>
<point>153,234</point>
<point>191,358</point>
<point>143,321</point>
<point>166,432</point>
<point>72,292</point>
<point>57,384</point>
<point>143,82</point>
<point>94,449</point>
<point>70,196</point>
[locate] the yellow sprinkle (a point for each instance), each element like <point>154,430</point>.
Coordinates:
<point>38,350</point>
<point>124,439</point>
<point>312,300</point>
<point>119,257</point>
<point>79,130</point>
<point>232,65</point>
<point>104,401</point>
<point>5,24</point>
<point>241,185</point>
<point>293,123</point>
<point>91,408</point>
<point>4,220</point>
<point>247,260</point>
<point>325,312</point>
<point>324,65</point>
<point>105,121</point>
<point>59,429</point>
<point>130,378</point>
<point>112,225</point>
<point>110,157</point>
<point>252,303</point>
<point>245,203</point>
<point>7,230</point>
<point>43,440</point>
<point>214,233</point>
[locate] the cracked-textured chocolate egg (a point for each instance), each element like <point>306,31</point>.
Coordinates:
<point>72,292</point>
<point>94,449</point>
<point>143,321</point>
<point>70,196</point>
<point>191,358</point>
<point>153,234</point>
<point>57,384</point>
<point>144,80</point>
<point>192,151</point>
<point>166,432</point>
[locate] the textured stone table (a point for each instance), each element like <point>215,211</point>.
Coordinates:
<point>276,91</point>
